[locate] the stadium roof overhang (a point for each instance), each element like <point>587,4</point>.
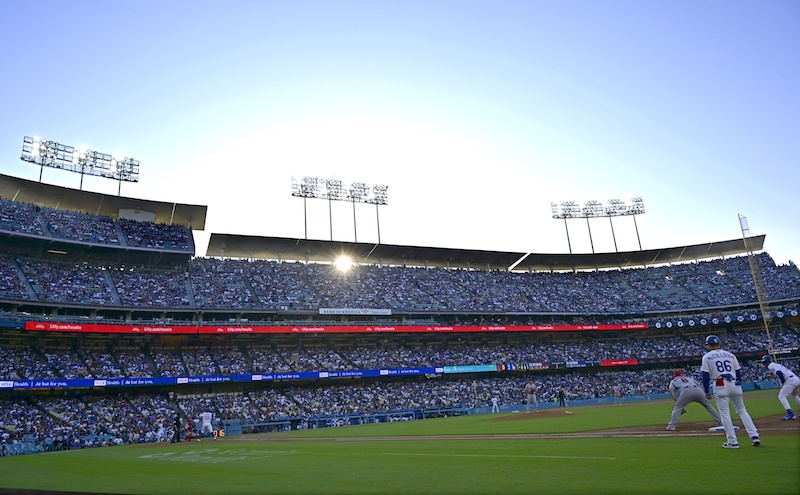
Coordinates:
<point>63,198</point>
<point>318,251</point>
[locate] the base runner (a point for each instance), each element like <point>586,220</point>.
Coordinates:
<point>790,385</point>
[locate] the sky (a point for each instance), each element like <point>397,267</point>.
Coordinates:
<point>476,115</point>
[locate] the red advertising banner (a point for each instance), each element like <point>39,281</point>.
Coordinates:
<point>619,362</point>
<point>46,326</point>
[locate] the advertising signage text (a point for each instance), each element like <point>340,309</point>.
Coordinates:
<point>47,326</point>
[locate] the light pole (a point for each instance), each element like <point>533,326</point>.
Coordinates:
<point>334,190</point>
<point>568,209</point>
<point>356,194</point>
<point>590,210</point>
<point>637,208</point>
<point>87,162</point>
<point>307,188</point>
<point>378,197</point>
<point>594,209</point>
<point>612,210</point>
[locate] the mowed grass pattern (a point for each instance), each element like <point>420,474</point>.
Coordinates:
<point>381,459</point>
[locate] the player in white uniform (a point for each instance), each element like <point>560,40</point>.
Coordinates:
<point>161,434</point>
<point>205,424</point>
<point>684,390</point>
<point>495,404</point>
<point>790,385</point>
<point>530,396</point>
<point>618,393</point>
<point>722,369</point>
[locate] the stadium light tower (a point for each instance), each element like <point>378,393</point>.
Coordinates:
<point>568,209</point>
<point>594,209</point>
<point>47,153</point>
<point>378,197</point>
<point>356,194</point>
<point>637,208</point>
<point>308,187</point>
<point>591,209</point>
<point>334,190</point>
<point>611,210</point>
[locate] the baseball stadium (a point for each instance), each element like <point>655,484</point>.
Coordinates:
<point>130,365</point>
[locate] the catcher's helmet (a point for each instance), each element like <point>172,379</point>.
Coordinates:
<point>766,359</point>
<point>712,340</point>
<point>677,373</point>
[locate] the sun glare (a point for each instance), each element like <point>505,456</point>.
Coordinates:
<point>343,263</point>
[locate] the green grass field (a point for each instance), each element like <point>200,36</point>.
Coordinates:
<point>395,458</point>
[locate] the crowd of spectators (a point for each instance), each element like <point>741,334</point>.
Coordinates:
<point>138,287</point>
<point>269,285</point>
<point>67,282</point>
<point>63,423</point>
<point>203,358</point>
<point>73,226</point>
<point>156,235</point>
<point>80,227</point>
<point>20,217</point>
<point>237,285</point>
<point>216,283</point>
<point>11,284</point>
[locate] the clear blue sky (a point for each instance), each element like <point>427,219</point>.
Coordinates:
<point>477,115</point>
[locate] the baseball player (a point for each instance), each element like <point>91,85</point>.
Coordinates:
<point>530,396</point>
<point>721,368</point>
<point>684,390</point>
<point>790,385</point>
<point>495,404</point>
<point>618,393</point>
<point>205,424</point>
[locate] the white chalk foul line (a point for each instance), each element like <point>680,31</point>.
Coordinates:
<point>505,456</point>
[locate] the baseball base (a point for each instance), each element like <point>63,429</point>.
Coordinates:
<point>721,428</point>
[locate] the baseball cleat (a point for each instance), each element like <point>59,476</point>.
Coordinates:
<point>727,445</point>
<point>789,417</point>
<point>756,442</point>
<point>671,428</point>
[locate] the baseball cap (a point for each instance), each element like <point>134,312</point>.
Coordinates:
<point>766,359</point>
<point>677,373</point>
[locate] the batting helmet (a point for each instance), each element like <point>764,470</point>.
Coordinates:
<point>766,359</point>
<point>712,340</point>
<point>677,373</point>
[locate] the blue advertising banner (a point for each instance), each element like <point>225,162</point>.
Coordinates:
<point>473,368</point>
<point>189,380</point>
